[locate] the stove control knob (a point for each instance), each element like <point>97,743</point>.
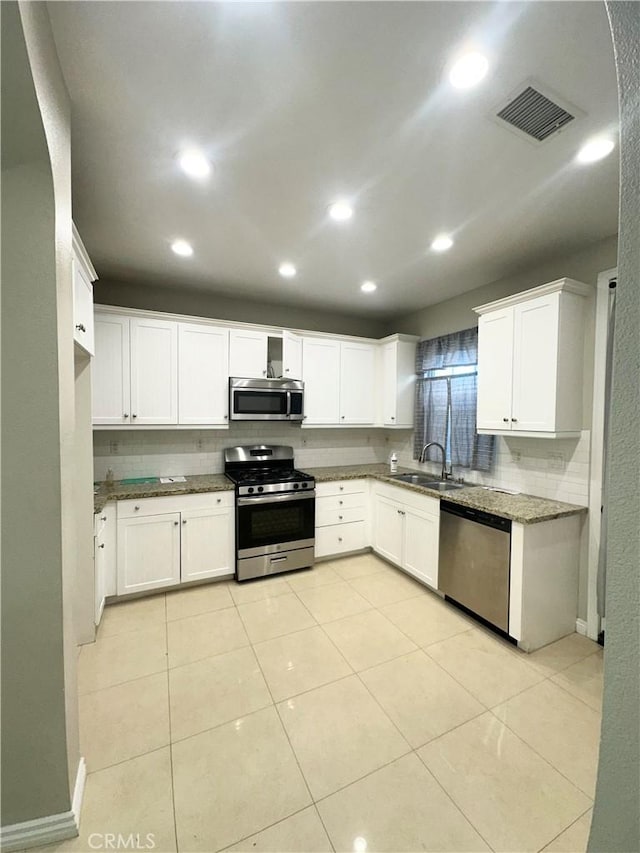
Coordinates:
<point>250,490</point>
<point>260,489</point>
<point>304,485</point>
<point>296,485</point>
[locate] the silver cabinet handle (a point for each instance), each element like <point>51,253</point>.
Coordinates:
<point>393,417</point>
<point>134,416</point>
<point>184,520</point>
<point>342,417</point>
<point>80,327</point>
<point>340,502</point>
<point>506,420</point>
<point>341,488</point>
<point>514,420</point>
<point>103,518</point>
<point>126,415</point>
<point>136,508</point>
<point>101,546</point>
<point>218,500</point>
<point>287,370</point>
<point>175,523</point>
<point>339,518</point>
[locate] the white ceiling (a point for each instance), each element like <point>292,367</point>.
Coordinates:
<point>300,103</point>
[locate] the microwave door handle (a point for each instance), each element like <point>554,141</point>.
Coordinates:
<point>288,404</point>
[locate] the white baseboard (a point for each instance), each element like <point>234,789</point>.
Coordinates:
<point>581,627</point>
<point>48,829</point>
<point>78,790</point>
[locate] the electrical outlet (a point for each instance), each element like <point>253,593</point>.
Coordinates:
<point>555,461</point>
<point>114,447</point>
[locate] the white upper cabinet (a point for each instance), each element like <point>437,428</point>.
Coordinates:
<point>397,381</point>
<point>357,383</point>
<point>110,373</point>
<point>203,375</point>
<point>154,371</point>
<point>530,361</point>
<point>321,374</point>
<point>135,371</point>
<point>495,369</point>
<point>248,353</point>
<point>83,277</point>
<point>291,355</point>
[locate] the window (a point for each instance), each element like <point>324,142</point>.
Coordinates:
<point>446,401</point>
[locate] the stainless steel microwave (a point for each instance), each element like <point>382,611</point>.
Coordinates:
<point>266,399</point>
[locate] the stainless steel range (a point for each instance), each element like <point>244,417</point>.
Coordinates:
<point>275,510</point>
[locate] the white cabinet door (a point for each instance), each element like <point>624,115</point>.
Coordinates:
<point>154,372</point>
<point>110,371</point>
<point>357,383</point>
<point>420,552</point>
<point>321,374</point>
<point>291,356</point>
<point>247,354</point>
<point>207,543</point>
<point>495,369</point>
<point>389,383</point>
<point>83,332</point>
<point>388,529</point>
<point>148,552</point>
<point>203,375</point>
<point>535,364</point>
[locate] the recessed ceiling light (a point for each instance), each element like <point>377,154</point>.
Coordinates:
<point>595,149</point>
<point>182,248</point>
<point>287,270</point>
<point>368,286</point>
<point>341,211</point>
<point>194,163</point>
<point>441,243</point>
<point>468,70</point>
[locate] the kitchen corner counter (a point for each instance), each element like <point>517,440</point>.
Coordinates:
<point>119,491</point>
<point>525,509</point>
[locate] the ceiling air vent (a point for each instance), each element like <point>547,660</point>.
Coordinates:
<point>536,113</point>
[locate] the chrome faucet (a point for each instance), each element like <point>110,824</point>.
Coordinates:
<point>444,474</point>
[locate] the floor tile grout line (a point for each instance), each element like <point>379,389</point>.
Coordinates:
<point>451,799</point>
<point>575,696</point>
<point>264,829</point>
<point>121,683</point>
<point>546,760</point>
<point>130,758</point>
<point>565,829</point>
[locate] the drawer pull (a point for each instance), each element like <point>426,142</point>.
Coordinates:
<point>218,500</point>
<point>506,420</point>
<point>340,517</point>
<point>101,546</point>
<point>175,523</point>
<point>278,559</point>
<point>136,508</point>
<point>342,488</point>
<point>184,520</point>
<point>339,538</point>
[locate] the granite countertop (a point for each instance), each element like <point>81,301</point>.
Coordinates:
<point>525,509</point>
<point>121,491</point>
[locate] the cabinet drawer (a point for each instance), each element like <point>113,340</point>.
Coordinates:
<point>341,501</point>
<point>327,515</point>
<point>174,503</point>
<point>340,539</point>
<point>341,487</point>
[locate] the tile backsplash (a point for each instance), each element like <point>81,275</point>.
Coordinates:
<point>147,453</point>
<point>550,468</point>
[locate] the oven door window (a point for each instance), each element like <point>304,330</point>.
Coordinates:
<point>250,402</point>
<point>273,523</point>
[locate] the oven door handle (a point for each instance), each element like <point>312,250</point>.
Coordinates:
<point>268,499</point>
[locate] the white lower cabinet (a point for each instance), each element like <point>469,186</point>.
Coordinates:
<point>406,530</point>
<point>104,557</point>
<point>342,513</point>
<point>170,540</point>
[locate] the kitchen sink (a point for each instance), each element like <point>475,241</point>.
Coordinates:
<point>428,482</point>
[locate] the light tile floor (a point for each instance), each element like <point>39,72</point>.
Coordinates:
<point>344,708</point>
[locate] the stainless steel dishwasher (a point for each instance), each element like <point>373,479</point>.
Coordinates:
<point>473,570</point>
